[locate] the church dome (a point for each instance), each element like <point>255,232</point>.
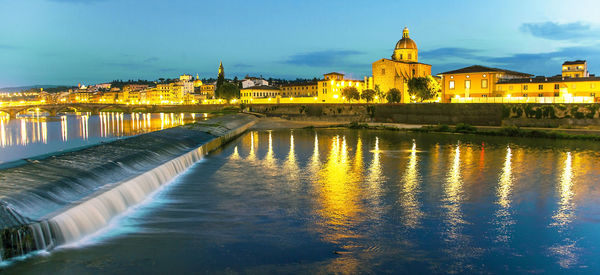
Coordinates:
<point>406,42</point>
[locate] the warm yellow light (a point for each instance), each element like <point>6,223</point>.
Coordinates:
<point>376,97</point>
<point>335,96</point>
<point>269,99</point>
<point>413,97</point>
<point>315,98</point>
<point>457,96</point>
<point>507,96</point>
<point>291,98</point>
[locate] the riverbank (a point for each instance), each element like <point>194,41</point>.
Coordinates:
<point>272,123</point>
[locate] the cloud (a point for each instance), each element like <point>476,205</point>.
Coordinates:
<point>547,63</point>
<point>325,58</point>
<point>557,31</point>
<point>150,59</point>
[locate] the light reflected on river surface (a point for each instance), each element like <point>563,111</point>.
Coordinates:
<point>32,135</point>
<point>358,201</point>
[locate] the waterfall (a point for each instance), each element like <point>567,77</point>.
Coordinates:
<point>57,201</point>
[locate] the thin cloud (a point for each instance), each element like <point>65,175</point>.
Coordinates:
<point>8,47</point>
<point>556,31</point>
<point>325,58</point>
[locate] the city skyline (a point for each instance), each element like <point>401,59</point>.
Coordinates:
<point>64,42</point>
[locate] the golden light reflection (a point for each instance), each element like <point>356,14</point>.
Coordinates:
<point>453,198</point>
<point>270,156</point>
<point>235,155</point>
<point>64,130</point>
<point>3,136</point>
<point>252,154</point>
<point>503,214</point>
<point>565,214</point>
<point>410,189</point>
<point>24,140</point>
<point>290,165</point>
<point>315,161</point>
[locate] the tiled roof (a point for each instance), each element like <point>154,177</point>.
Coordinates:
<point>483,69</point>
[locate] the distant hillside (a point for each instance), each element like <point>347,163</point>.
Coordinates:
<point>25,88</point>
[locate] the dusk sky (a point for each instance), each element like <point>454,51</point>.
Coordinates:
<point>92,41</point>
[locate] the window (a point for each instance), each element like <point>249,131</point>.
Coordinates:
<point>540,95</point>
<point>467,84</point>
<point>413,72</point>
<point>484,84</point>
<point>525,87</point>
<point>409,56</point>
<point>593,94</point>
<point>524,95</point>
<point>541,87</point>
<point>556,94</point>
<point>400,56</point>
<point>556,86</point>
<point>576,75</point>
<point>483,95</point>
<point>382,71</point>
<point>451,85</point>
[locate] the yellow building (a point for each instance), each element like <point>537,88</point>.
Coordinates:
<point>555,89</point>
<point>575,69</point>
<point>207,90</point>
<point>474,82</point>
<point>262,94</point>
<point>329,90</point>
<point>404,65</point>
<point>303,89</point>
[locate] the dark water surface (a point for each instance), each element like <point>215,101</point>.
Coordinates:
<point>32,135</point>
<point>359,201</point>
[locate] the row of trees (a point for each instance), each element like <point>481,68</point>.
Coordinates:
<point>419,88</point>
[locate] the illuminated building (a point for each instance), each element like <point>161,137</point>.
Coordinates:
<point>207,90</point>
<point>404,65</point>
<point>575,85</point>
<point>259,93</point>
<point>575,69</point>
<point>329,90</point>
<point>301,89</point>
<point>253,81</point>
<point>474,81</point>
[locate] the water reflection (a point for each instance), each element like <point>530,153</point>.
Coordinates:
<point>503,214</point>
<point>290,165</point>
<point>24,135</point>
<point>270,161</point>
<point>410,190</point>
<point>453,202</point>
<point>564,215</point>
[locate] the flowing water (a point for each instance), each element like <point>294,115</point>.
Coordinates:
<point>33,135</point>
<point>358,201</point>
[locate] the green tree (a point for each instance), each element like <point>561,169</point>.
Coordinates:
<point>228,91</point>
<point>393,96</point>
<point>379,95</point>
<point>423,88</point>
<point>350,93</point>
<point>368,95</point>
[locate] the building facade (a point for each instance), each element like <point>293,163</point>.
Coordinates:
<point>259,93</point>
<point>475,81</point>
<point>329,90</point>
<point>404,65</point>
<point>308,89</point>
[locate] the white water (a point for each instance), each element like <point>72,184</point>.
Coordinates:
<point>96,212</point>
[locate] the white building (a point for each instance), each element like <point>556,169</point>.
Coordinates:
<point>253,81</point>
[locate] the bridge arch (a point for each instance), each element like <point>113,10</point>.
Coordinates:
<point>4,113</point>
<point>121,108</point>
<point>139,109</point>
<point>32,109</point>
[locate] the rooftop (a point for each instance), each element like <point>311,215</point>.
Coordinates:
<point>576,62</point>
<point>542,79</point>
<point>483,69</point>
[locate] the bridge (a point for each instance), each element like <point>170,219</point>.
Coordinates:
<point>94,108</point>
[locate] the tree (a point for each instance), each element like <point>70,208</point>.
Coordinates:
<point>228,91</point>
<point>379,95</point>
<point>393,96</point>
<point>350,93</point>
<point>423,88</point>
<point>368,95</point>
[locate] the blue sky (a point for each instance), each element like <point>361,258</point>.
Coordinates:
<point>93,41</point>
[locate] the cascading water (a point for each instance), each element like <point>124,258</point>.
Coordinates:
<point>64,198</point>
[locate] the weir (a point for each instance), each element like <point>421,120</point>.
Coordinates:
<point>63,198</point>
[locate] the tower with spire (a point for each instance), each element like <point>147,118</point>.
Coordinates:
<point>221,76</point>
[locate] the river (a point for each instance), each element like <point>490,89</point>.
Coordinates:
<point>358,201</point>
<point>33,135</point>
